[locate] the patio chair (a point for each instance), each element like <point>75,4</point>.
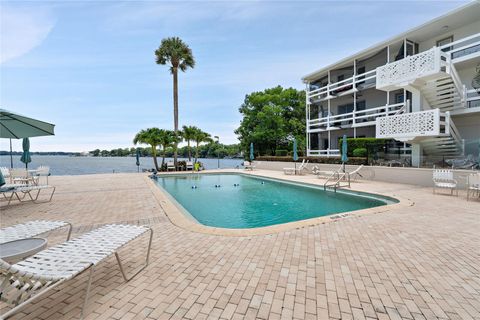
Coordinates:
<point>32,229</point>
<point>19,176</point>
<point>42,171</point>
<point>444,179</point>
<point>473,185</point>
<point>248,165</point>
<point>5,172</point>
<point>27,280</point>
<point>327,173</point>
<point>33,192</point>
<point>171,166</point>
<point>189,165</point>
<point>355,173</point>
<point>296,170</point>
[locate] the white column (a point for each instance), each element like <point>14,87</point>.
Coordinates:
<point>416,155</point>
<point>307,118</point>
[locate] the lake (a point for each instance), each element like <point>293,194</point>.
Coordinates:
<point>66,165</point>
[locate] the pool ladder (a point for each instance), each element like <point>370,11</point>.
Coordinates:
<point>335,181</point>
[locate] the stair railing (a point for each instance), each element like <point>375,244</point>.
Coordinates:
<point>454,133</point>
<point>461,88</point>
<point>337,182</point>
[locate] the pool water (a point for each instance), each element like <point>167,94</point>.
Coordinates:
<point>241,201</point>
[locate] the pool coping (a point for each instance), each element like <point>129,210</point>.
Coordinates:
<point>184,220</point>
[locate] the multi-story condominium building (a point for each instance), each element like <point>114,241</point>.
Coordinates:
<point>420,88</point>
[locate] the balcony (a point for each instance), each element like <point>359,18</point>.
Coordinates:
<point>423,66</point>
<point>358,118</point>
<point>410,126</point>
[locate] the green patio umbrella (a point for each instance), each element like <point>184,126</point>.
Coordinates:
<point>137,162</point>
<point>295,154</point>
<point>251,152</point>
<point>344,151</point>
<point>17,126</point>
<point>26,152</point>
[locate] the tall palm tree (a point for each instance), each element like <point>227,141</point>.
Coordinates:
<point>178,55</point>
<point>152,137</point>
<point>188,134</point>
<point>199,137</point>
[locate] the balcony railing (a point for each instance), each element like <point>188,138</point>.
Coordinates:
<point>405,127</point>
<point>348,85</point>
<point>472,98</point>
<point>463,48</point>
<point>356,118</point>
<point>324,153</point>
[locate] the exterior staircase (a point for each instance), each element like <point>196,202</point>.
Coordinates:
<point>435,77</point>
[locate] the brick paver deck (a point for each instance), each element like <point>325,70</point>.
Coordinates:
<point>419,262</point>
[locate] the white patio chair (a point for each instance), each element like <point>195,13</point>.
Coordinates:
<point>247,165</point>
<point>5,172</point>
<point>19,176</point>
<point>171,166</point>
<point>33,192</point>
<point>327,173</point>
<point>355,173</point>
<point>42,171</point>
<point>189,165</point>
<point>27,280</point>
<point>444,179</point>
<point>32,229</point>
<point>473,185</point>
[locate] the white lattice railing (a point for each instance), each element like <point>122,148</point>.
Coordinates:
<point>409,69</point>
<point>414,124</point>
<point>324,153</point>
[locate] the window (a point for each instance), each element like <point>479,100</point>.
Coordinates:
<point>345,108</point>
<point>445,41</point>
<point>399,97</point>
<point>361,105</point>
<point>340,77</point>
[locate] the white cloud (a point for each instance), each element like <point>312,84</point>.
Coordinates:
<point>22,29</point>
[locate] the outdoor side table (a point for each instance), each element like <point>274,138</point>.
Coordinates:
<point>16,250</point>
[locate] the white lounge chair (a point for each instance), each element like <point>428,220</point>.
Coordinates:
<point>296,170</point>
<point>171,166</point>
<point>32,229</point>
<point>473,185</point>
<point>30,279</point>
<point>355,173</point>
<point>5,172</point>
<point>20,176</point>
<point>189,165</point>
<point>248,165</point>
<point>15,190</point>
<point>327,173</point>
<point>444,179</point>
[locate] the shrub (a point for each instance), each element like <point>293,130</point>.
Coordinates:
<point>281,153</point>
<point>360,152</point>
<point>366,143</point>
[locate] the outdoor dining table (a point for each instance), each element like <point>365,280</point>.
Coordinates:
<point>16,250</point>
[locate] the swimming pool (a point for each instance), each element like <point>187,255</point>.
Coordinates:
<point>241,201</point>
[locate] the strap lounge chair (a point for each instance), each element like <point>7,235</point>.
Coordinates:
<point>327,173</point>
<point>473,185</point>
<point>298,170</point>
<point>355,173</point>
<point>33,192</point>
<point>444,179</point>
<point>26,281</point>
<point>248,165</point>
<point>171,166</point>
<point>32,229</point>
<point>42,171</point>
<point>189,165</point>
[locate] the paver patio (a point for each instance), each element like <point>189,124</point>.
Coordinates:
<point>418,262</point>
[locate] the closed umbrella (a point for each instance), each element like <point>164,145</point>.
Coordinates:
<point>137,156</point>
<point>26,152</point>
<point>251,152</point>
<point>295,154</point>
<point>344,151</point>
<point>16,126</point>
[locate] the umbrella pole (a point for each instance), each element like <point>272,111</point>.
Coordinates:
<point>11,156</point>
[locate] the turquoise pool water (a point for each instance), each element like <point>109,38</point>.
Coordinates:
<point>244,201</point>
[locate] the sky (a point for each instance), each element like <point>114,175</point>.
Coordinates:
<point>89,66</point>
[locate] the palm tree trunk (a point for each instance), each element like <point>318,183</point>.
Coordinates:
<point>175,111</point>
<point>163,156</point>
<point>196,154</point>
<point>154,154</point>
<point>189,151</point>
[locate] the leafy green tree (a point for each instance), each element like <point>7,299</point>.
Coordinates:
<point>152,137</point>
<point>168,139</point>
<point>271,119</point>
<point>178,55</point>
<point>188,134</point>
